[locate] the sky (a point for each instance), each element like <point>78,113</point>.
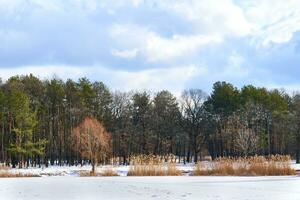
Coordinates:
<point>153,44</point>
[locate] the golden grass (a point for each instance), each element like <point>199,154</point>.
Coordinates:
<point>108,172</point>
<point>249,166</point>
<point>151,165</point>
<point>4,167</point>
<point>84,173</point>
<point>5,174</point>
<point>105,172</point>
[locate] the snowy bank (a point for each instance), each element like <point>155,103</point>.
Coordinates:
<point>121,170</point>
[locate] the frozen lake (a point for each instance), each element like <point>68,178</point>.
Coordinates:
<point>141,188</point>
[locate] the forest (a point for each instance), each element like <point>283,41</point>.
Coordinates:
<point>38,116</point>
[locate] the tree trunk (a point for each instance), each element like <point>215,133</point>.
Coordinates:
<point>94,162</point>
<point>298,149</point>
<point>195,157</point>
<point>93,167</point>
<point>188,154</point>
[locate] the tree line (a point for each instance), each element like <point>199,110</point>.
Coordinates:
<point>38,116</point>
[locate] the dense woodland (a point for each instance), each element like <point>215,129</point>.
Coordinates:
<point>37,118</point>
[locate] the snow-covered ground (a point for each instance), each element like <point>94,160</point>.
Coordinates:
<point>294,165</point>
<point>75,170</point>
<point>146,188</point>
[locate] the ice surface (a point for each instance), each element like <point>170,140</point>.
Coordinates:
<point>63,183</point>
<point>144,188</point>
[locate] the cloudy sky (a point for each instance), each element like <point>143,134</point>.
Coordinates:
<point>153,44</point>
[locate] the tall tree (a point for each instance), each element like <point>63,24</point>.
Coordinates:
<point>24,121</point>
<point>122,127</point>
<point>221,104</point>
<point>193,119</point>
<point>141,116</point>
<point>55,97</point>
<point>166,117</point>
<point>295,109</point>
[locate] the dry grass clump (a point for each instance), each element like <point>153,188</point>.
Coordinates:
<point>277,165</point>
<point>4,167</point>
<point>105,172</point>
<point>151,165</point>
<point>6,174</point>
<point>85,173</point>
<point>108,172</point>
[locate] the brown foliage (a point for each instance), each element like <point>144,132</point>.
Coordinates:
<point>91,141</point>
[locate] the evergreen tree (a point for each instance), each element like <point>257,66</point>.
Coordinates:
<point>23,147</point>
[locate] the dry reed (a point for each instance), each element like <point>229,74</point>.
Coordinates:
<point>104,172</point>
<point>85,173</point>
<point>6,174</point>
<point>108,172</point>
<point>4,167</point>
<point>277,165</point>
<point>151,165</point>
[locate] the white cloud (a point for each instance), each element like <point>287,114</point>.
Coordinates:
<point>129,36</point>
<point>44,71</point>
<point>136,2</point>
<point>92,32</point>
<point>173,79</point>
<point>274,21</point>
<point>128,54</point>
<point>47,5</point>
<point>214,16</point>
<point>236,67</point>
<point>266,21</point>
<point>291,88</point>
<point>159,48</point>
<point>155,47</point>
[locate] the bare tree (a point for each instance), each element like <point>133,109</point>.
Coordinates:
<point>193,113</point>
<point>121,125</point>
<point>91,141</point>
<point>246,141</point>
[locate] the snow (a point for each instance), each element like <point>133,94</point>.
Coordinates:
<point>63,182</point>
<point>67,170</point>
<point>75,170</point>
<point>295,165</point>
<point>145,188</point>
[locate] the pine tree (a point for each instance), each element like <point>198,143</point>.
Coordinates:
<point>23,147</point>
